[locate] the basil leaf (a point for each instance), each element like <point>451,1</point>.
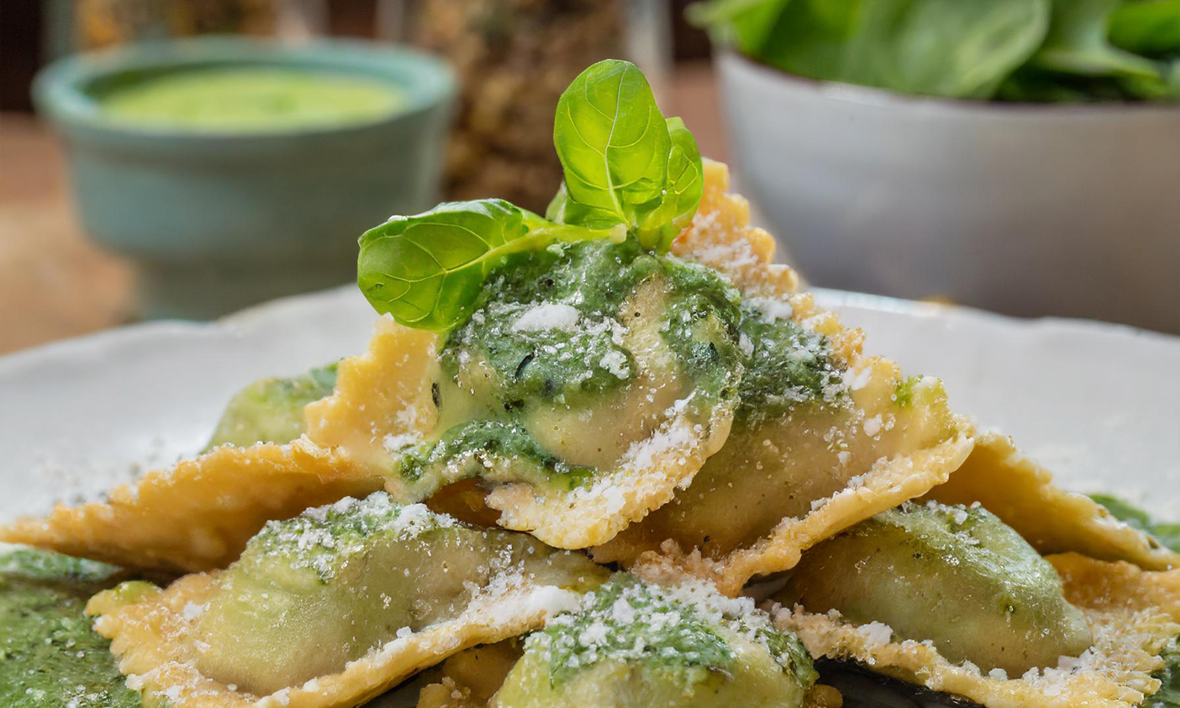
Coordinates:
<point>613,144</point>
<point>1133,516</point>
<point>682,196</point>
<point>427,270</point>
<point>1077,43</point>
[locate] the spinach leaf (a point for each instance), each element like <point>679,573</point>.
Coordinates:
<point>427,270</point>
<point>946,47</point>
<point>1167,534</point>
<point>1077,43</point>
<point>745,23</point>
<point>624,163</point>
<point>1148,27</point>
<point>937,47</point>
<point>1020,50</point>
<point>814,38</point>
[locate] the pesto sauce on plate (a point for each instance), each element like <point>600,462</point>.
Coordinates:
<point>50,654</point>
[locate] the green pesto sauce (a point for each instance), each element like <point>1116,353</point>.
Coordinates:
<point>658,631</point>
<point>491,439</point>
<point>50,655</point>
<point>787,365</point>
<point>595,278</point>
<point>271,410</point>
<point>245,99</point>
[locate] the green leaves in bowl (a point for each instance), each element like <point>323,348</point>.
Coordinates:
<point>1026,50</point>
<point>629,173</point>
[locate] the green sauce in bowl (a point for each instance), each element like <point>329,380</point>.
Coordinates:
<point>251,99</point>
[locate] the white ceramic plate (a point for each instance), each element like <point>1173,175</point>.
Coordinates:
<point>1097,403</point>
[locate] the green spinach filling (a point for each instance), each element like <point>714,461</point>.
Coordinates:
<point>50,654</point>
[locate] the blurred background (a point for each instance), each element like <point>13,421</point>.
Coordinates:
<point>187,158</point>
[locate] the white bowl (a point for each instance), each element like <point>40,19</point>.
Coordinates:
<point>1023,209</point>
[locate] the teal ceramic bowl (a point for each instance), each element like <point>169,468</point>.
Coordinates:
<point>216,220</point>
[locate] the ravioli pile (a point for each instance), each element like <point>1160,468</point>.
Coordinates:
<point>624,478</point>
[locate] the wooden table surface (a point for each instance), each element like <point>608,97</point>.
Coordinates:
<point>54,283</point>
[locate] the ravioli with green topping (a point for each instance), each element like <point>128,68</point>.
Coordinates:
<point>199,514</point>
<point>951,598</point>
<point>335,606</point>
<point>629,374</point>
<point>631,643</point>
<point>823,437</point>
<point>1000,605</point>
<point>589,382</point>
<point>634,644</point>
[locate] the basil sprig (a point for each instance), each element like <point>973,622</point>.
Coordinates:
<point>627,169</point>
<point>624,163</point>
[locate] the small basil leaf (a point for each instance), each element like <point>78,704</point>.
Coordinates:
<point>613,144</point>
<point>427,270</point>
<point>682,196</point>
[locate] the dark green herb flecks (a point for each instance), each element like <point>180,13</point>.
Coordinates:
<point>481,441</point>
<point>324,538</point>
<point>49,654</point>
<point>550,330</point>
<point>583,355</point>
<point>1166,534</point>
<point>674,630</point>
<point>903,391</point>
<point>786,364</point>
